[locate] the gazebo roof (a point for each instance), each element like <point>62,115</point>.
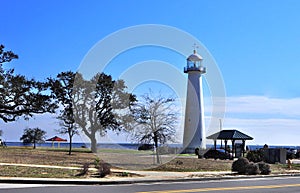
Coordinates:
<point>55,138</point>
<point>230,134</point>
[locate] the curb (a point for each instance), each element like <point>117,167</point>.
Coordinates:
<point>129,181</point>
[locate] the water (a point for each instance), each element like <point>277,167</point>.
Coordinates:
<point>76,145</point>
<point>133,146</point>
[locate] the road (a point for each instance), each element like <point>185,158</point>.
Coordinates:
<point>257,185</point>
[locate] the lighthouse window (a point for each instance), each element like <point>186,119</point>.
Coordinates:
<point>193,64</point>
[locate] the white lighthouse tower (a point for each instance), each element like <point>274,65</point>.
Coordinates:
<point>194,126</point>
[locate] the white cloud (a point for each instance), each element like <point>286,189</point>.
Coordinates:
<point>263,105</point>
<point>270,131</point>
<point>254,105</point>
<point>268,120</point>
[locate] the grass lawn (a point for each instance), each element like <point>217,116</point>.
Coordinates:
<point>20,171</point>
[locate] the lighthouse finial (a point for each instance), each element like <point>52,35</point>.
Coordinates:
<point>195,46</point>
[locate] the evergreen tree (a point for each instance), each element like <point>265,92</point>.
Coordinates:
<point>33,135</point>
<point>19,96</point>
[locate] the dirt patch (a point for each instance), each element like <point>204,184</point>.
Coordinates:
<point>194,164</point>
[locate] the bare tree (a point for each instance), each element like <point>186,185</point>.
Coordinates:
<point>155,119</point>
<point>68,125</point>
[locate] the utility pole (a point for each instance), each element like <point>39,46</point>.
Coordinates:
<point>221,130</point>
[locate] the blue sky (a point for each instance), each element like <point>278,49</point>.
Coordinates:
<point>256,45</point>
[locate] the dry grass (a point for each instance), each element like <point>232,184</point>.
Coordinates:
<point>188,164</point>
<point>119,159</point>
<point>140,160</point>
<point>137,160</point>
<point>40,156</point>
<point>20,171</point>
<point>26,155</point>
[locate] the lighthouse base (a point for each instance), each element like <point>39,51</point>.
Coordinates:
<point>189,151</point>
<point>193,150</point>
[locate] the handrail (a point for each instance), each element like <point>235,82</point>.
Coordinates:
<point>200,69</point>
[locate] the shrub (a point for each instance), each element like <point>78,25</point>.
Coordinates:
<point>256,155</point>
<point>104,169</point>
<point>264,168</point>
<point>85,169</point>
<point>97,162</point>
<point>252,169</point>
<point>146,147</point>
<point>179,162</point>
<point>240,165</point>
<point>124,174</point>
<point>290,155</point>
<point>243,166</point>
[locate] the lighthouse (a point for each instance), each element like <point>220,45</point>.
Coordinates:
<point>194,126</point>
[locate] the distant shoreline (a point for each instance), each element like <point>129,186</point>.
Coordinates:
<point>125,145</point>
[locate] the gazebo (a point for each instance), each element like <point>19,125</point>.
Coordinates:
<point>56,139</point>
<point>234,136</point>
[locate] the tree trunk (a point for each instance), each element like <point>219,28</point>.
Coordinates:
<point>34,146</point>
<point>70,144</point>
<point>156,149</point>
<point>93,143</point>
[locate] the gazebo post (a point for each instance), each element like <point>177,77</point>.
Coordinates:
<point>226,145</point>
<point>233,148</point>
<point>221,145</point>
<point>215,143</point>
<point>243,147</point>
